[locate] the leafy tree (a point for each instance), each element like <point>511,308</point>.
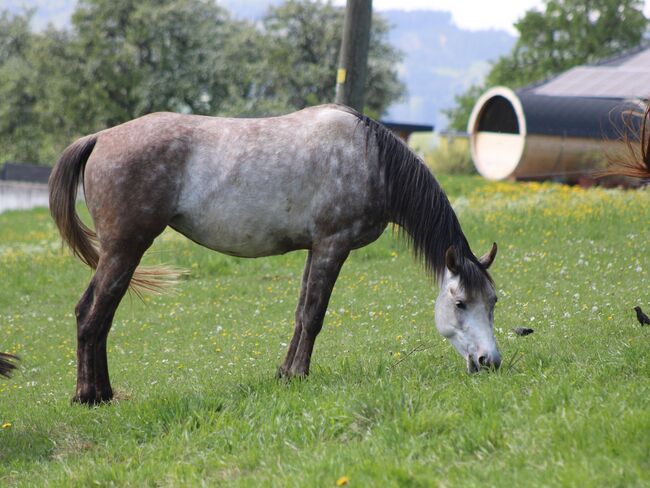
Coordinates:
<point>567,33</point>
<point>124,58</point>
<point>17,100</point>
<point>149,55</point>
<point>304,38</point>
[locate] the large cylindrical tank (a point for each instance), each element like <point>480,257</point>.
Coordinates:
<point>525,135</point>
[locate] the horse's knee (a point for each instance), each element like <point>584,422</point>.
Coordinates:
<point>87,331</point>
<point>84,304</point>
<point>312,322</point>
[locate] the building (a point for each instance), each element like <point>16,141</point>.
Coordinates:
<point>404,131</point>
<point>562,128</point>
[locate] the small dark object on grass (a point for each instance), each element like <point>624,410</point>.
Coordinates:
<point>641,317</point>
<point>522,331</point>
<point>6,365</point>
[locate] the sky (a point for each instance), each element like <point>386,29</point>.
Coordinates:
<point>467,14</point>
<point>473,14</point>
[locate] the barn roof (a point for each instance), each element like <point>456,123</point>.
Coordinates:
<point>589,101</point>
<point>623,76</point>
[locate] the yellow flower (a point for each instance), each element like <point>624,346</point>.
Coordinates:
<point>342,481</point>
<point>6,425</point>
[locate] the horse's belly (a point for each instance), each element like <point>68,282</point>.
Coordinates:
<point>245,230</point>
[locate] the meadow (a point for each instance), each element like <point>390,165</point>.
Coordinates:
<point>388,402</point>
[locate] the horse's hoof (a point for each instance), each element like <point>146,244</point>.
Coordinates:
<point>282,373</point>
<point>91,396</point>
<point>289,374</point>
<point>298,374</point>
<point>87,400</point>
<point>104,396</point>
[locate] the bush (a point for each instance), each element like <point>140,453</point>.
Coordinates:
<point>451,156</point>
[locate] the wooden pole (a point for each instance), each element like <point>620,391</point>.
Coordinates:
<point>353,57</point>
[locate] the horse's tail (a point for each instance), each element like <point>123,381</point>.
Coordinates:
<point>6,364</point>
<point>82,240</point>
<point>63,184</point>
<point>635,162</point>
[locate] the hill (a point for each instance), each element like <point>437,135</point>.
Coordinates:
<point>441,61</point>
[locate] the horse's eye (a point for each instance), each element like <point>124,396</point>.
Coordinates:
<point>461,305</point>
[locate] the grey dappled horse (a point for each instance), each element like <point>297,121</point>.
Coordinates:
<point>325,179</point>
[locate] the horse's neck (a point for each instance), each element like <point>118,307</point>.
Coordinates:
<point>418,204</point>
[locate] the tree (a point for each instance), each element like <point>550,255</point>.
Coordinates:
<point>142,56</point>
<point>304,38</point>
<point>17,101</point>
<point>190,56</point>
<point>566,34</point>
<point>125,58</point>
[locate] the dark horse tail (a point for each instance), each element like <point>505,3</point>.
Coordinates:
<point>6,364</point>
<point>63,185</point>
<point>636,161</point>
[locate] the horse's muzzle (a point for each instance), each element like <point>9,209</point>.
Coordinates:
<point>480,361</point>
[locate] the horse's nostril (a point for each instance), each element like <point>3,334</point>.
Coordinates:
<point>482,360</point>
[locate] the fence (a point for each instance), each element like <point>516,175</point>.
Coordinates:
<point>20,195</point>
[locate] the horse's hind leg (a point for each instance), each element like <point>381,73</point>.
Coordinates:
<point>297,331</point>
<point>103,390</point>
<point>95,313</point>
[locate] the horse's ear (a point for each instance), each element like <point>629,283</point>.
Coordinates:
<point>488,258</point>
<point>450,260</point>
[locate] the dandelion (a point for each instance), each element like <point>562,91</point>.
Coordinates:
<point>342,481</point>
<point>7,425</point>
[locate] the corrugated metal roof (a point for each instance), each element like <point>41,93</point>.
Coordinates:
<point>601,82</point>
<point>625,76</point>
<point>638,56</point>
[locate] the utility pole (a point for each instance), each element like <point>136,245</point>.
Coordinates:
<point>353,58</point>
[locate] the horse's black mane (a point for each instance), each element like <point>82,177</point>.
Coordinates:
<point>418,205</point>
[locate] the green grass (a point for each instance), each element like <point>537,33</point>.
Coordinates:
<point>388,403</point>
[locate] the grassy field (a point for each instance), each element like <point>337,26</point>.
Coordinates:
<point>388,403</point>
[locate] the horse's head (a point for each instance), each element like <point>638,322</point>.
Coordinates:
<point>465,309</point>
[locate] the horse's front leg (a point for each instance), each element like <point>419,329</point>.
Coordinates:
<point>326,261</point>
<point>283,371</point>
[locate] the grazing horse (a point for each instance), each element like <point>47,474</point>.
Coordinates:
<point>325,179</point>
<point>6,364</point>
